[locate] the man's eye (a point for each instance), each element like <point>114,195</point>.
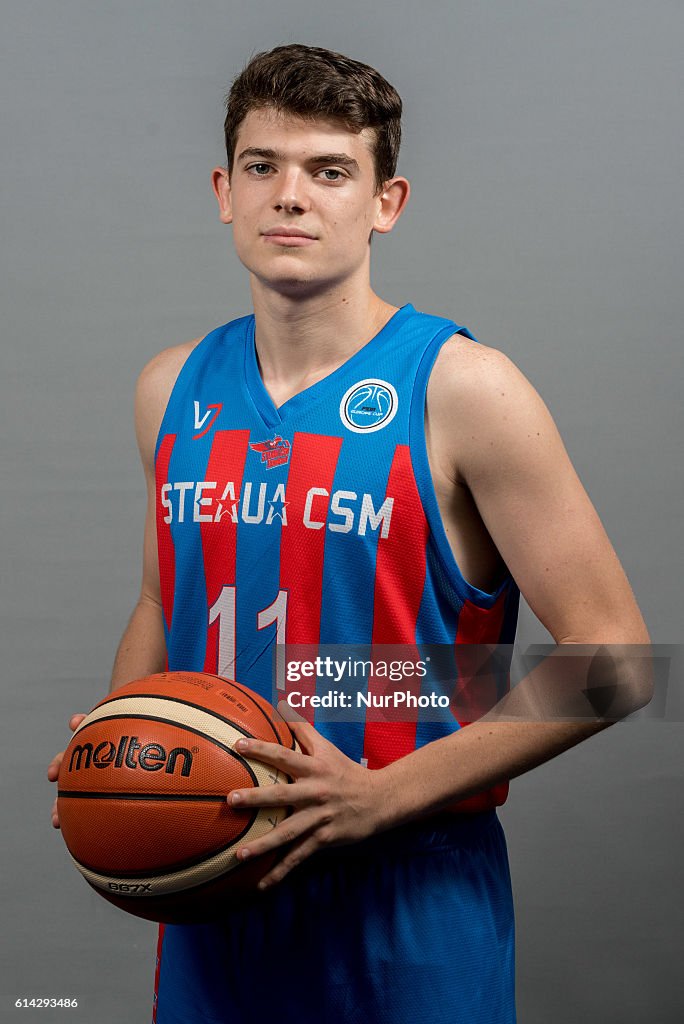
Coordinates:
<point>331,170</point>
<point>259,168</point>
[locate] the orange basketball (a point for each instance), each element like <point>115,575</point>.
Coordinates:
<point>142,795</point>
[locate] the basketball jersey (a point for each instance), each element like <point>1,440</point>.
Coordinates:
<point>315,523</point>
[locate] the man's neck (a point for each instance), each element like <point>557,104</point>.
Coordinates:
<point>301,340</point>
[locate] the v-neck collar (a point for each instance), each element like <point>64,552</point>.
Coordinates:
<point>274,416</point>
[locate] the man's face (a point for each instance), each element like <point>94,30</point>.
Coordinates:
<point>313,177</point>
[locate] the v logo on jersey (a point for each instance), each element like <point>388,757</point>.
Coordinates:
<point>199,423</point>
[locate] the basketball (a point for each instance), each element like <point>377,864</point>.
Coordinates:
<point>142,795</point>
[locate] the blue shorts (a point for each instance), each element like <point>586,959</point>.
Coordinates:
<point>413,924</point>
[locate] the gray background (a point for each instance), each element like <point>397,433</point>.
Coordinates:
<point>543,142</point>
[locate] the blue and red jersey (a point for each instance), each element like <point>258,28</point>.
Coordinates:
<point>313,523</point>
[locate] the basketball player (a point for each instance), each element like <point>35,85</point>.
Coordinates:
<point>335,469</point>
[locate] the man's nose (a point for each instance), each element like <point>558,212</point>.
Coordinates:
<point>291,193</point>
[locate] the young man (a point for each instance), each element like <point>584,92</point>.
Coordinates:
<point>335,469</point>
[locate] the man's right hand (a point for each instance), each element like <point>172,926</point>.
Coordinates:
<point>53,768</point>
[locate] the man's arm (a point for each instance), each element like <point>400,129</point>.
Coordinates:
<point>497,438</point>
<point>142,649</point>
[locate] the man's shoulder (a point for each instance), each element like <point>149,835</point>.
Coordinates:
<point>160,373</point>
<point>480,404</point>
<point>153,390</point>
<point>468,370</point>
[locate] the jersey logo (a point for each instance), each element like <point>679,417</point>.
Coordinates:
<point>274,452</point>
<point>199,423</point>
<point>368,405</point>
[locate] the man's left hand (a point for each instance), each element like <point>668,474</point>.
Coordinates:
<point>335,800</point>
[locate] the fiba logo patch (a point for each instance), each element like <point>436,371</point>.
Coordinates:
<point>368,405</point>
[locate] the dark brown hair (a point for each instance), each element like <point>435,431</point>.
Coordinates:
<point>312,83</point>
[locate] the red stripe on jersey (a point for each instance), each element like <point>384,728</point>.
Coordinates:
<point>481,626</point>
<point>157,970</point>
<point>167,554</point>
<point>400,562</point>
<point>399,581</point>
<point>478,628</point>
<point>225,468</point>
<point>313,459</point>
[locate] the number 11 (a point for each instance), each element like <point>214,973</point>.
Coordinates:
<point>223,610</point>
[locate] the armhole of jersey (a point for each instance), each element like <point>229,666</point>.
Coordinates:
<point>421,469</point>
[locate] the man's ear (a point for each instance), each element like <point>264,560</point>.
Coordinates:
<point>391,203</point>
<point>220,182</point>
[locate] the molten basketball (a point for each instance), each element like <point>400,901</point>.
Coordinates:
<point>142,795</point>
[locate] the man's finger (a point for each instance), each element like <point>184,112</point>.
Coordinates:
<point>289,713</point>
<point>290,761</point>
<point>296,827</point>
<point>53,767</point>
<point>308,737</point>
<point>292,858</point>
<point>289,795</point>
